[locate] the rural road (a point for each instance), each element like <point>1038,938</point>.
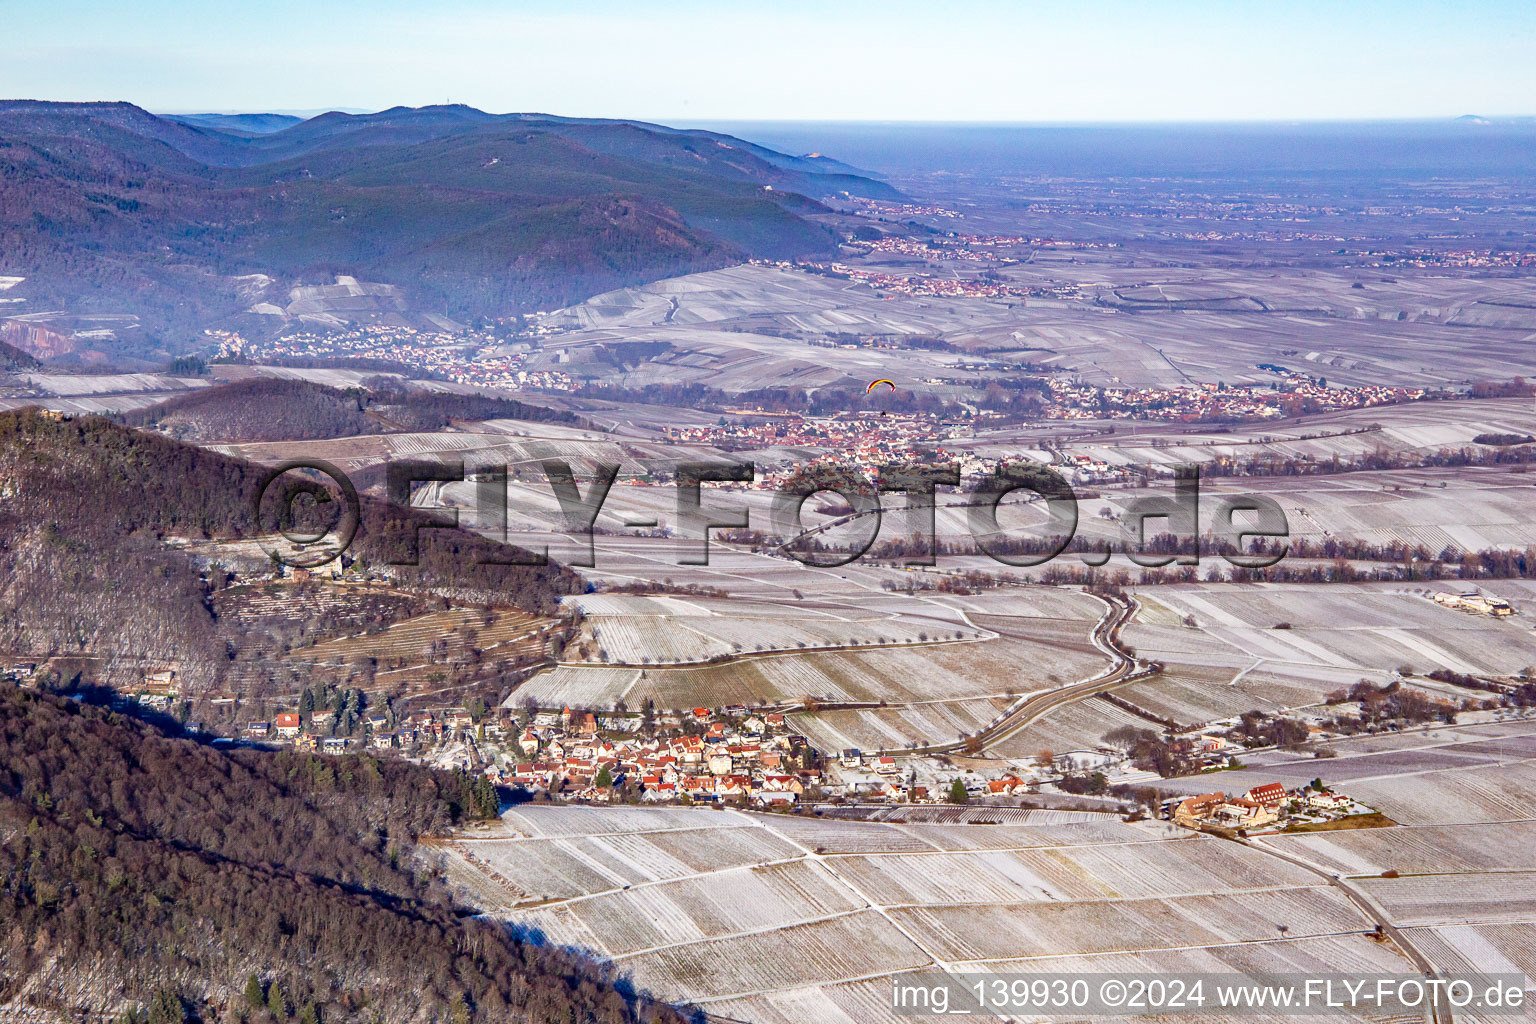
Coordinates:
<point>1106,637</point>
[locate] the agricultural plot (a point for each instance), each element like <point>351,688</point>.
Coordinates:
<point>725,325</point>
<point>869,1001</point>
<point>749,326</point>
<point>914,725</point>
<point>919,674</point>
<point>495,447</point>
<point>582,865</point>
<point>1491,948</point>
<point>770,917</point>
<point>1418,850</point>
<point>1465,509</point>
<point>62,385</point>
<point>649,917</point>
<point>670,630</point>
<point>815,953</point>
<point>918,815</point>
<point>1415,427</point>
<point>1353,628</point>
<point>1067,873</point>
<point>102,405</point>
<point>533,821</point>
<point>1077,726</point>
<point>1194,694</point>
<point>837,836</point>
<point>1502,897</point>
<point>1030,603</point>
<point>577,686</point>
<point>1489,793</point>
<point>969,934</point>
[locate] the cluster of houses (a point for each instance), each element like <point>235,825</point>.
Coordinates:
<point>917,285</point>
<point>446,725</point>
<point>1075,399</point>
<point>733,755</point>
<point>858,441</point>
<point>1088,469</point>
<point>1259,806</point>
<point>446,352</point>
<point>972,248</point>
<point>1474,603</point>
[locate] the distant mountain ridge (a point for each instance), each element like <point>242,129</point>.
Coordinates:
<point>254,124</point>
<point>450,117</point>
<point>109,208</point>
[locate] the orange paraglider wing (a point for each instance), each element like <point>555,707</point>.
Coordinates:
<point>881,381</point>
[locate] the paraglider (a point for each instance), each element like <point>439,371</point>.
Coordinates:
<point>873,384</point>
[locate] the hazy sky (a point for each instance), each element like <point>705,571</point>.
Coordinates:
<point>966,60</point>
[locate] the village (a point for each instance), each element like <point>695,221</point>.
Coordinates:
<point>462,356</point>
<point>752,757</point>
<point>1290,394</point>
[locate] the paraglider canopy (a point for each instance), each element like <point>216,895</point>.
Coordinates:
<point>875,383</point>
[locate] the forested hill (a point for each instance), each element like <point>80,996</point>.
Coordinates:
<point>267,409</point>
<point>86,508</point>
<point>12,358</point>
<point>109,208</point>
<point>144,873</point>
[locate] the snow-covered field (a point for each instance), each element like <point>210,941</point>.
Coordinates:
<point>780,918</point>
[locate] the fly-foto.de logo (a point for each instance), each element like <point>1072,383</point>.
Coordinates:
<point>310,512</point>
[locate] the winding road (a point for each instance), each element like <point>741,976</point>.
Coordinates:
<point>1124,669</point>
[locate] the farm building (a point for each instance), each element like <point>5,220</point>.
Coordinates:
<point>1477,604</point>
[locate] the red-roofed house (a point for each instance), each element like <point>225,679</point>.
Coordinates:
<point>1005,785</point>
<point>1271,794</point>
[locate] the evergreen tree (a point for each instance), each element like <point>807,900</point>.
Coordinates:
<point>255,997</point>
<point>166,1008</point>
<point>957,793</point>
<point>486,803</point>
<point>277,1002</point>
<point>604,778</point>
